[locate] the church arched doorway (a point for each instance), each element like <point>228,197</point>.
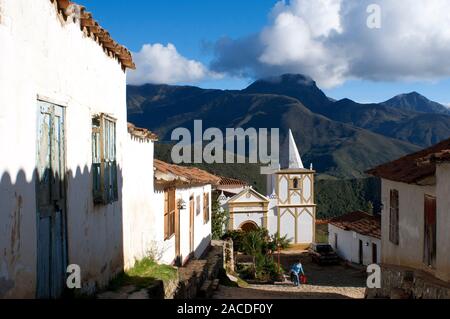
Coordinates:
<point>248,226</point>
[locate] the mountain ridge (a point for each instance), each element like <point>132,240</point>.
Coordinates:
<point>337,149</point>
<point>415,101</point>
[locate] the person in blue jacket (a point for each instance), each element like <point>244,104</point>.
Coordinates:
<point>296,270</point>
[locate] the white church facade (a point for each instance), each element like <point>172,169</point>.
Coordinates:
<point>288,210</point>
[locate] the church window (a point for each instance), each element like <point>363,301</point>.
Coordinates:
<point>295,183</point>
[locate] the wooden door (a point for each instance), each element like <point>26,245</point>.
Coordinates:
<point>430,231</point>
<point>374,253</point>
<point>361,255</point>
<point>179,257</point>
<point>50,197</point>
<point>191,224</point>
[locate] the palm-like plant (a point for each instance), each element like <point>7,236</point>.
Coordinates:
<point>280,242</point>
<point>252,244</point>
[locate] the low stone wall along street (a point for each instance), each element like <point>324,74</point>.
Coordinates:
<point>405,283</point>
<point>199,277</point>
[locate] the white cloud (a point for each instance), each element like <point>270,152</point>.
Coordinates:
<point>295,38</point>
<point>156,63</point>
<point>330,41</point>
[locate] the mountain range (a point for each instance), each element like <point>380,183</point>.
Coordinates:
<point>341,138</point>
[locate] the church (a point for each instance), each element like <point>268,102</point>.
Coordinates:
<point>289,208</point>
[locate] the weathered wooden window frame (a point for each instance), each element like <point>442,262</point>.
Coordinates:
<point>104,160</point>
<point>206,216</point>
<point>394,212</point>
<point>169,213</point>
<point>197,205</point>
<point>430,232</point>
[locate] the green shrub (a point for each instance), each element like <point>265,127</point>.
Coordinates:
<point>276,241</point>
<point>267,269</point>
<point>260,245</point>
<point>144,273</point>
<point>246,271</point>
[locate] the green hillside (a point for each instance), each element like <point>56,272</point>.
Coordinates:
<point>334,197</point>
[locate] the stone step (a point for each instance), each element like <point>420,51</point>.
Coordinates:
<point>139,295</point>
<point>215,284</point>
<point>208,288</point>
<point>205,291</point>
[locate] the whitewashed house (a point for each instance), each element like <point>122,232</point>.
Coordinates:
<point>138,191</point>
<point>63,135</point>
<point>288,210</point>
<point>182,212</point>
<point>356,237</point>
<point>415,223</point>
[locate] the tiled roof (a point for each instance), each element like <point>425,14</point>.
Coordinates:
<point>227,181</point>
<point>440,157</point>
<point>166,172</point>
<point>67,8</point>
<point>141,133</point>
<point>359,222</point>
<point>414,167</point>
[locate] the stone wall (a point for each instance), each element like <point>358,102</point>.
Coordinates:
<point>228,256</point>
<point>199,273</point>
<point>197,279</point>
<point>404,283</point>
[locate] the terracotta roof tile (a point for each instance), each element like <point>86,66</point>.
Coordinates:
<point>359,222</point>
<point>66,8</point>
<point>414,167</point>
<point>228,181</point>
<point>141,132</point>
<point>189,175</point>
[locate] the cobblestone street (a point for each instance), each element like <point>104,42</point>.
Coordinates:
<point>324,282</point>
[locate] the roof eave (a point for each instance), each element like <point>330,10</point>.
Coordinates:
<point>88,25</point>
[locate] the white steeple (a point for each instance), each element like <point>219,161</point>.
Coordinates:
<point>271,181</point>
<point>295,161</point>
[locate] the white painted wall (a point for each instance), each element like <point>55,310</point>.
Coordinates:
<point>138,219</point>
<point>287,226</point>
<point>443,217</point>
<point>348,245</point>
<point>272,217</point>
<point>305,189</point>
<point>409,252</point>
<point>305,226</point>
<point>202,231</point>
<point>301,201</point>
<point>240,218</point>
<point>41,56</point>
<point>166,248</point>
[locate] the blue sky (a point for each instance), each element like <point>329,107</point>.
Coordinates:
<point>194,26</point>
